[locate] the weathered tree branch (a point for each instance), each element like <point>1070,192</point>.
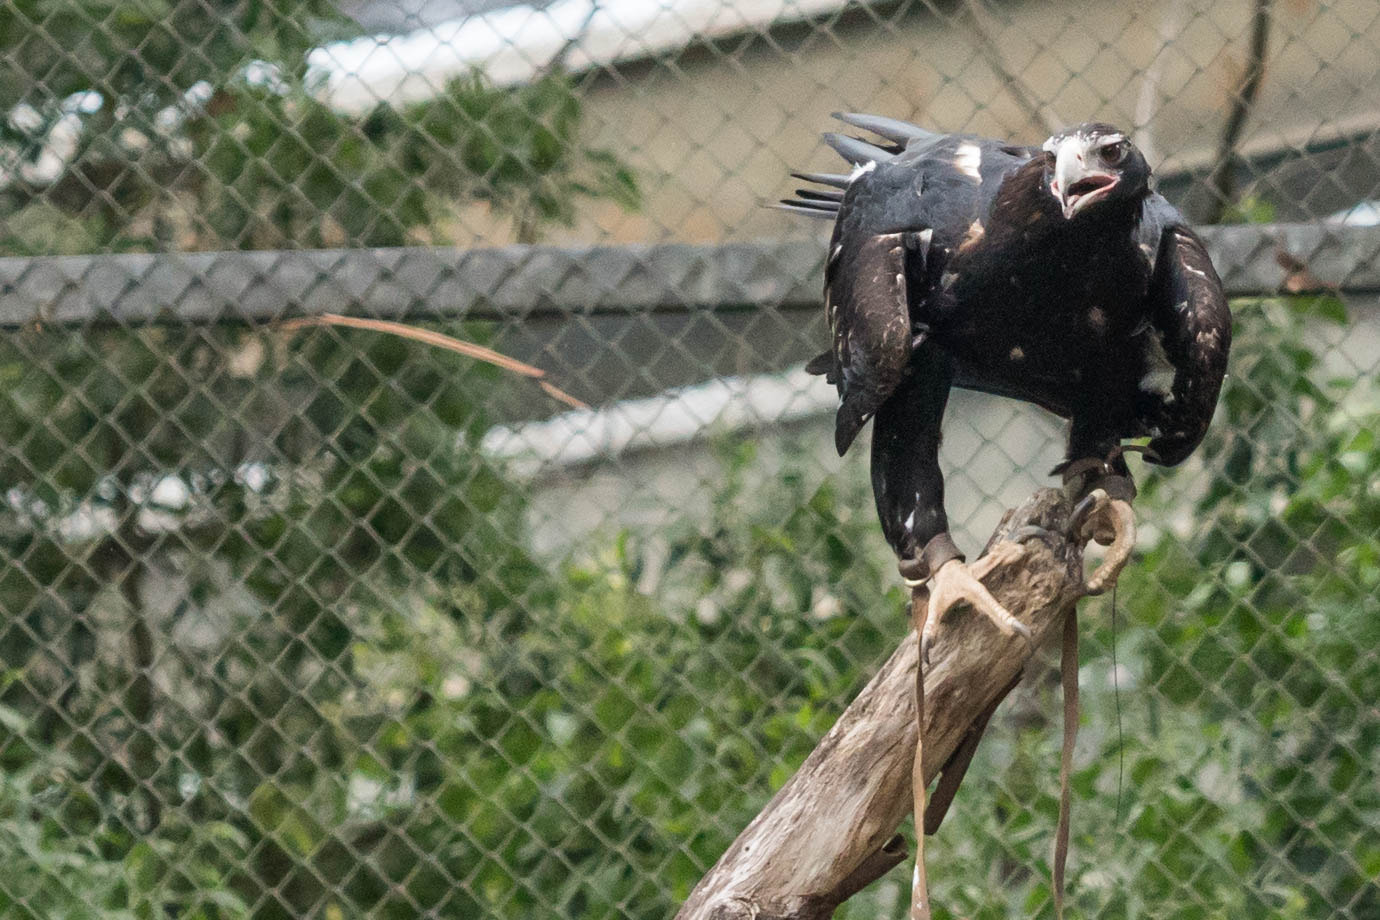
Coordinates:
<point>831,830</point>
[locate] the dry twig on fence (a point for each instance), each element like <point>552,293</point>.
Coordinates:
<point>439,340</point>
<point>830,831</point>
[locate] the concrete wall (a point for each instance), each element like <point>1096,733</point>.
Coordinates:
<point>714,130</point>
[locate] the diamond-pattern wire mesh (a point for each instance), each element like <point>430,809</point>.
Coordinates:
<point>328,624</point>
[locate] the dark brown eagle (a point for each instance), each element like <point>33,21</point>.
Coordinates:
<point>1051,274</point>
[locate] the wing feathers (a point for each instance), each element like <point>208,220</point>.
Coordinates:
<point>810,194</point>
<point>800,207</point>
<point>865,301</point>
<point>1189,310</point>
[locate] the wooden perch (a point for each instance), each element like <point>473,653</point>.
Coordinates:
<point>831,830</point>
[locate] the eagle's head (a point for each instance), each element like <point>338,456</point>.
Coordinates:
<point>1095,164</point>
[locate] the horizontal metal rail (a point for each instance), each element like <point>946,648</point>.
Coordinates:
<point>517,282</point>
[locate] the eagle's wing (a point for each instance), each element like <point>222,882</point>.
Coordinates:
<point>1191,332</point>
<point>912,192</point>
<point>865,301</point>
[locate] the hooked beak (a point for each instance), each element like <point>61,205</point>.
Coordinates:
<point>1075,184</point>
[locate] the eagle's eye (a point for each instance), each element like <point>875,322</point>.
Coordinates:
<point>1115,154</point>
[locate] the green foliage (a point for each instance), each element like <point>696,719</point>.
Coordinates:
<point>1250,753</point>
<point>188,661</point>
<point>137,51</point>
<point>370,702</point>
<point>225,143</point>
<point>604,761</point>
<point>56,860</point>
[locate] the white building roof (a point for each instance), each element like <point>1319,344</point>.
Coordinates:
<point>674,417</point>
<point>516,43</point>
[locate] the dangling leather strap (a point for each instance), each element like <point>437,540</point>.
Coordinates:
<point>919,885</point>
<point>1068,674</point>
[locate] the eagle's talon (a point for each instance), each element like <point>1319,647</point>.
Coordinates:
<point>1036,532</point>
<point>1003,552</point>
<point>1111,523</point>
<point>1082,512</point>
<point>956,582</point>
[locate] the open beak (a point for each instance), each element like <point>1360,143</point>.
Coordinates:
<point>1075,184</point>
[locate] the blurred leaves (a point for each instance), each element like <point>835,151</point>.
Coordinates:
<point>1248,678</point>
<point>363,698</point>
<point>121,135</point>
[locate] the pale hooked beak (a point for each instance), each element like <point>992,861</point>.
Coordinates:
<point>1075,184</point>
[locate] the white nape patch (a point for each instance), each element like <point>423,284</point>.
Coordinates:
<point>1097,319</point>
<point>1159,375</point>
<point>909,522</point>
<point>1190,268</point>
<point>1017,354</point>
<point>968,159</point>
<point>838,251</point>
<point>861,170</point>
<point>947,280</point>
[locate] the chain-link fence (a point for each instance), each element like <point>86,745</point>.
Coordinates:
<point>324,623</point>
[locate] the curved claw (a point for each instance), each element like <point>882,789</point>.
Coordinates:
<point>1112,523</point>
<point>1081,513</point>
<point>1036,532</point>
<point>956,582</point>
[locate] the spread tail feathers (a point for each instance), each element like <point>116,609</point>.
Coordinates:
<point>857,151</point>
<point>816,202</point>
<point>898,132</point>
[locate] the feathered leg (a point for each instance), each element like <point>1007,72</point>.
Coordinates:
<point>909,489</point>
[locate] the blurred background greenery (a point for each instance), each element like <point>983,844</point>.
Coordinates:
<point>367,700</point>
<point>275,637</point>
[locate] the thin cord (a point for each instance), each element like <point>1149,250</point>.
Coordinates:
<point>1116,693</point>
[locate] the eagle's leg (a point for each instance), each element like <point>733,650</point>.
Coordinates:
<point>1101,485</point>
<point>909,490</point>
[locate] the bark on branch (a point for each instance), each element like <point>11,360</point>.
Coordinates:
<point>831,830</point>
